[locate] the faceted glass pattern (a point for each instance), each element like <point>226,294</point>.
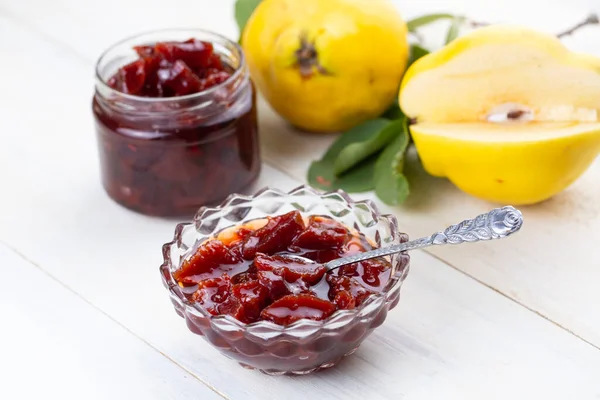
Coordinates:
<point>304,346</point>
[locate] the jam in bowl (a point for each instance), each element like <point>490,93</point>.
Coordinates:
<point>176,123</point>
<point>248,276</point>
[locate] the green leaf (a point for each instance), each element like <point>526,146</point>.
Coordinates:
<point>391,186</point>
<point>416,52</point>
<point>418,22</point>
<point>382,132</point>
<point>393,112</point>
<point>454,29</point>
<point>360,178</point>
<point>243,11</point>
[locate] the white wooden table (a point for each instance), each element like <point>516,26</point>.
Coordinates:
<point>84,314</point>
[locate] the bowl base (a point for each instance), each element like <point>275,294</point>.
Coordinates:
<point>275,372</point>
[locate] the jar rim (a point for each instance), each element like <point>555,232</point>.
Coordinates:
<point>232,78</point>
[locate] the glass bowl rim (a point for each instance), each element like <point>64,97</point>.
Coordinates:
<point>171,284</point>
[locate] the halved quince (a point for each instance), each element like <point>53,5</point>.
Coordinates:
<point>508,114</point>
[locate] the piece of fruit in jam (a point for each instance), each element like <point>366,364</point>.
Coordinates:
<point>342,286</point>
<point>168,69</point>
<point>243,301</point>
<point>206,262</point>
<point>193,52</point>
<point>292,308</point>
<point>252,298</point>
<point>130,79</point>
<point>322,233</point>
<point>179,78</point>
<point>372,272</point>
<point>291,269</point>
<point>344,300</point>
<point>282,275</point>
<point>215,296</point>
<point>278,287</point>
<point>275,236</point>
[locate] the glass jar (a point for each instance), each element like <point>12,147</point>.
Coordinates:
<point>169,156</point>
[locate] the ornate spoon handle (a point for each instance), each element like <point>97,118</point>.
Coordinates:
<point>496,224</point>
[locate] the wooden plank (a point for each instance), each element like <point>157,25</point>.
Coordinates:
<point>56,345</point>
<point>449,336</point>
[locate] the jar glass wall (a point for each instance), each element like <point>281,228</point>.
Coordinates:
<point>167,156</point>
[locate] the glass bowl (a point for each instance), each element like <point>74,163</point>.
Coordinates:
<point>305,346</point>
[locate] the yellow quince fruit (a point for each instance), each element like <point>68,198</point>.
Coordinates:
<point>326,65</point>
<point>506,113</point>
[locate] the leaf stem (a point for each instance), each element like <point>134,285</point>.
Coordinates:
<point>417,36</point>
<point>591,19</point>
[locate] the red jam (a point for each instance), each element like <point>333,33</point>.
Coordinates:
<point>177,127</point>
<point>250,272</point>
<point>169,69</point>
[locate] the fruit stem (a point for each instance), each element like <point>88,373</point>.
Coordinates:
<point>591,19</point>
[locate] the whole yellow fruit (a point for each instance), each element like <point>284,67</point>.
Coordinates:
<point>508,114</point>
<point>326,65</point>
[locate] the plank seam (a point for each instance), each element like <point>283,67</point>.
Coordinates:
<point>512,299</point>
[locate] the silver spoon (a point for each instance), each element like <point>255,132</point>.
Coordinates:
<point>496,224</point>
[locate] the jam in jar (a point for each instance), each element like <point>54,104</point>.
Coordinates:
<point>176,122</point>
